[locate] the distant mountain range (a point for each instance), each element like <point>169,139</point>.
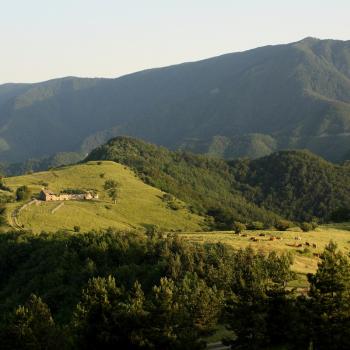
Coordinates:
<point>242,104</point>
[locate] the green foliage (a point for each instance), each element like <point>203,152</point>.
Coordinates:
<point>306,226</point>
<point>4,187</point>
<point>295,184</point>
<point>205,184</point>
<point>239,227</point>
<point>255,225</point>
<point>330,300</point>
<point>125,290</point>
<point>31,327</point>
<point>108,317</point>
<point>22,193</point>
<point>3,219</point>
<point>111,187</point>
<point>283,225</point>
<point>110,184</point>
<point>259,299</point>
<point>341,214</point>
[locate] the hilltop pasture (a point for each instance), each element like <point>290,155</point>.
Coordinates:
<point>137,206</point>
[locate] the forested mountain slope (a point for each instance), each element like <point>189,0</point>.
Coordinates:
<point>241,104</point>
<point>292,184</point>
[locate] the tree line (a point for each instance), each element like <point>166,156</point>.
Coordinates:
<point>104,290</point>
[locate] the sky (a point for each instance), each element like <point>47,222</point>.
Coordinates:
<point>45,39</point>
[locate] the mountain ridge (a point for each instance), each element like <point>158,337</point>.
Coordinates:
<point>297,95</point>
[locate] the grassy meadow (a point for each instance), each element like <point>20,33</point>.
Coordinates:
<point>137,206</point>
<point>304,259</point>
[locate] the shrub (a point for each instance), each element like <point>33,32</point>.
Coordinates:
<point>239,227</point>
<point>4,187</point>
<point>255,225</point>
<point>174,205</point>
<point>22,193</point>
<point>283,225</point>
<point>306,226</point>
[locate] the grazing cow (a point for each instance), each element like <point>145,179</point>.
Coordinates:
<point>272,238</point>
<point>254,239</point>
<point>297,238</point>
<point>299,245</point>
<point>314,245</point>
<point>307,244</point>
<point>262,235</point>
<point>244,235</point>
<point>280,238</point>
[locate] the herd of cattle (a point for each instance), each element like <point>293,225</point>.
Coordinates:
<point>273,238</point>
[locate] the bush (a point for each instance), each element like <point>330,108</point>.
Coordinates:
<point>223,218</point>
<point>306,226</point>
<point>174,205</point>
<point>283,225</point>
<point>239,227</point>
<point>256,225</point>
<point>22,193</point>
<point>4,187</point>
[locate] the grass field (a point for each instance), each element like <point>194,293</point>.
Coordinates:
<point>304,261</point>
<point>138,204</point>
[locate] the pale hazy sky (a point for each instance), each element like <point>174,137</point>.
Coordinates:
<point>44,39</point>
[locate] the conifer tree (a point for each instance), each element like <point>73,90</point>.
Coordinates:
<point>330,298</point>
<point>31,327</point>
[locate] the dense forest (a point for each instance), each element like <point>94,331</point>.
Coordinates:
<point>294,185</point>
<point>104,290</point>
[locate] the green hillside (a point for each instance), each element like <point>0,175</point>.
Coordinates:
<point>295,184</point>
<point>137,205</point>
<point>291,184</point>
<point>240,104</point>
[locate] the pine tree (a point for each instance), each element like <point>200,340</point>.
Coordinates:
<point>330,298</point>
<point>31,327</point>
<point>107,317</point>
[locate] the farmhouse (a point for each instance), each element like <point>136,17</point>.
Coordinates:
<point>46,195</point>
